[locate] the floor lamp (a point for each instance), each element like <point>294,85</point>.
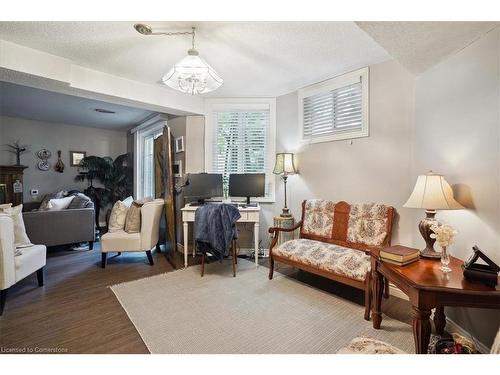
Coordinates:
<point>285,166</point>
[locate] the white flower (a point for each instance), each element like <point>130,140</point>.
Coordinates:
<point>443,233</point>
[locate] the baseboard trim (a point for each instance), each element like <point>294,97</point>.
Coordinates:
<point>451,326</point>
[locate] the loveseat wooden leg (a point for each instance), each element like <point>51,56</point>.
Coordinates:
<point>3,298</point>
<point>103,259</point>
<point>271,267</point>
<point>91,245</point>
<point>39,276</point>
<point>150,257</point>
<point>368,296</point>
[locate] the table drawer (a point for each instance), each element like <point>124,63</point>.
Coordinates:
<point>188,215</point>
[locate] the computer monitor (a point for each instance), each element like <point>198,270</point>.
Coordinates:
<point>203,186</point>
<point>247,185</point>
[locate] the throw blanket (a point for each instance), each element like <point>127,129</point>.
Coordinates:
<point>214,228</point>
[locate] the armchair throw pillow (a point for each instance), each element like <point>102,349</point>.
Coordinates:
<point>20,237</point>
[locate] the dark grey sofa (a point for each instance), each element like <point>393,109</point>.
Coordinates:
<point>52,228</point>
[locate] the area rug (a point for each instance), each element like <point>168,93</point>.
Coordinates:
<point>181,312</point>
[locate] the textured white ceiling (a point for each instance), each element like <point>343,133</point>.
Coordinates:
<point>254,58</point>
<point>420,45</point>
<point>65,109</point>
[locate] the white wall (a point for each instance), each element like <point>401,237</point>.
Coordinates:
<point>39,134</point>
<point>375,168</point>
<point>457,131</point>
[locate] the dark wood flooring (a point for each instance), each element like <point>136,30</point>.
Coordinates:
<point>76,312</point>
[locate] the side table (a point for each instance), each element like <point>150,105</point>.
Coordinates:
<point>284,222</point>
<point>428,287</point>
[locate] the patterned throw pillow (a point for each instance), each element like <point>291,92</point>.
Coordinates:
<point>117,217</point>
<point>133,219</point>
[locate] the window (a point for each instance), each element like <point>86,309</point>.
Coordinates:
<point>144,171</point>
<point>240,139</point>
<point>335,109</point>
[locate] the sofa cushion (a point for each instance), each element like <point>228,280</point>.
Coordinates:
<point>318,218</point>
<point>20,237</point>
<point>343,261</point>
<point>367,224</point>
<point>80,201</point>
<point>32,258</point>
<point>57,204</point>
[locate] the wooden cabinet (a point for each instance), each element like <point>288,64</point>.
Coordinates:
<point>11,184</point>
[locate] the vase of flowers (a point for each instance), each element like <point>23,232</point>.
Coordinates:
<point>444,235</point>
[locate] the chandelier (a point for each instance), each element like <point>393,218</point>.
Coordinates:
<point>192,74</point>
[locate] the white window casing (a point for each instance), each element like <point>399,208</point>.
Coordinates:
<point>240,137</point>
<point>335,109</point>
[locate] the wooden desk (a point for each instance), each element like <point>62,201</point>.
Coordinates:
<point>428,287</point>
<point>248,215</point>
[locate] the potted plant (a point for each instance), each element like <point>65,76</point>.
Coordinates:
<point>114,176</point>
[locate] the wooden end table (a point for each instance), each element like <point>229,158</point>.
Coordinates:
<point>428,287</point>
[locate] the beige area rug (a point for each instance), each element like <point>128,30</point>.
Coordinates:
<point>181,312</point>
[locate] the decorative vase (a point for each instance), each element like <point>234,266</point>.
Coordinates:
<point>445,260</point>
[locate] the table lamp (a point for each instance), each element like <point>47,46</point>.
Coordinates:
<point>285,166</point>
<point>431,192</point>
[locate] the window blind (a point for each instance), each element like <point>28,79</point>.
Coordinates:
<point>333,111</point>
<point>240,142</point>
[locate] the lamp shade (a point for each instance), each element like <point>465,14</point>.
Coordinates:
<point>432,192</point>
<point>284,164</point>
<point>192,75</point>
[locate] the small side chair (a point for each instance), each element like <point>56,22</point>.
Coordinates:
<point>121,241</point>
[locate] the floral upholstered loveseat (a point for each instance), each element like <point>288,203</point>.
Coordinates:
<point>335,241</point>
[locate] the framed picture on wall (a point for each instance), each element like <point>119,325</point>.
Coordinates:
<point>75,157</point>
<point>179,144</point>
<point>177,168</point>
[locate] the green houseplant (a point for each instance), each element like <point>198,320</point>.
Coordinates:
<point>114,176</point>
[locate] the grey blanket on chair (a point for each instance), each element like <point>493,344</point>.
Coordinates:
<point>215,228</point>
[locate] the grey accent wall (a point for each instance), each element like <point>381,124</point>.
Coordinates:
<point>457,132</point>
<point>375,168</point>
<point>39,134</point>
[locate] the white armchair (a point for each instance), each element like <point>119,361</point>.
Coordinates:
<point>15,268</point>
<point>145,240</point>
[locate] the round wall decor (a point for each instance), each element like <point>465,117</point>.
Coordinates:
<point>43,155</point>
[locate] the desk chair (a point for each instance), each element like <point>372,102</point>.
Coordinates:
<point>234,259</point>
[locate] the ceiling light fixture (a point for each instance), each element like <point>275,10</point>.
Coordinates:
<point>191,75</point>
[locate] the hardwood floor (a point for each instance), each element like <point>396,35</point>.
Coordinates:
<point>76,312</point>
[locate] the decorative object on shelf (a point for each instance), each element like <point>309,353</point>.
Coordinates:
<point>59,167</point>
<point>75,157</point>
<point>444,235</point>
<point>431,192</point>
<point>192,75</point>
<point>483,273</point>
<point>286,223</point>
<point>179,144</point>
<point>11,184</point>
<point>285,166</point>
<point>18,150</point>
<point>44,156</point>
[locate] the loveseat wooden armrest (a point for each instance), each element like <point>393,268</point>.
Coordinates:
<point>275,230</point>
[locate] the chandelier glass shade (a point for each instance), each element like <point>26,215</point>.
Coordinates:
<point>192,75</point>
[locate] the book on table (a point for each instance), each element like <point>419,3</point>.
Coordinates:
<point>399,263</point>
<point>399,254</point>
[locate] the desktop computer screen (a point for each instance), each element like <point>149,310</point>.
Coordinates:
<point>203,186</point>
<point>247,185</point>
